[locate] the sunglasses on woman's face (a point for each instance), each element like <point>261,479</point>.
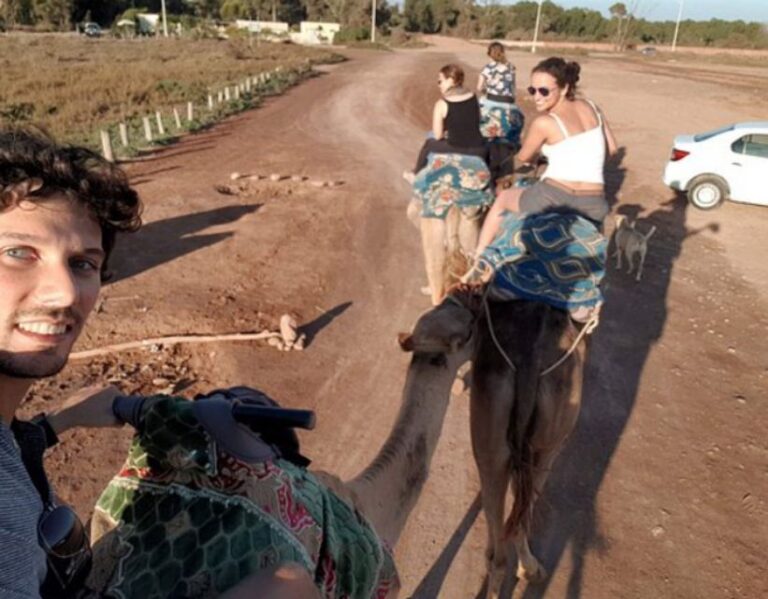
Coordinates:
<point>65,541</point>
<point>542,91</point>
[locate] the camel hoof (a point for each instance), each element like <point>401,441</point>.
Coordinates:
<point>534,575</point>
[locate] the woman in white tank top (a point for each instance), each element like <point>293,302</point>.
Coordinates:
<point>574,136</point>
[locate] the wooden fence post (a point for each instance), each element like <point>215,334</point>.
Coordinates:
<point>210,102</point>
<point>190,112</point>
<point>227,97</point>
<point>147,129</point>
<point>124,134</point>
<point>106,145</point>
<point>176,117</point>
<point>160,127</point>
<point>237,91</point>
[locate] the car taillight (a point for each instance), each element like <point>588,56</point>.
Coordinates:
<point>678,154</point>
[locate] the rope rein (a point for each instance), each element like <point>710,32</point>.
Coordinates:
<point>587,329</point>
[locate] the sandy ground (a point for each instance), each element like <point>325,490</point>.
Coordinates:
<point>663,489</point>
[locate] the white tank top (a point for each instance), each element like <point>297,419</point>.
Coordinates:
<point>579,158</point>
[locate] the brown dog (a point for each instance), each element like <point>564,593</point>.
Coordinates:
<point>631,243</point>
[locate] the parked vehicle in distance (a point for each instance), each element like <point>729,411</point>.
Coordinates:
<point>727,163</point>
<point>648,51</point>
<point>92,30</point>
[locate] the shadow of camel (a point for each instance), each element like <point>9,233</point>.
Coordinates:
<point>616,359</point>
<point>163,241</point>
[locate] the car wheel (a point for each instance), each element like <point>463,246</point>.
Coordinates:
<point>707,192</point>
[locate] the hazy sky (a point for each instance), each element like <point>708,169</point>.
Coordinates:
<point>699,10</point>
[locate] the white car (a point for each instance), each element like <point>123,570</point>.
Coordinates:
<point>728,163</point>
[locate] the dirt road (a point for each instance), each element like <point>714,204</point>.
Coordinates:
<point>663,490</point>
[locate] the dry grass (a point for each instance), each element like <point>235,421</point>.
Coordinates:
<point>74,86</point>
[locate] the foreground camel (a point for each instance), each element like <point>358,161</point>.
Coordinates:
<point>521,409</point>
<point>179,507</point>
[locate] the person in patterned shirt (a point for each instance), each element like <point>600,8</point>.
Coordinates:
<point>497,79</point>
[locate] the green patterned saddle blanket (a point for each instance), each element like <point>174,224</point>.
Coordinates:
<point>183,518</point>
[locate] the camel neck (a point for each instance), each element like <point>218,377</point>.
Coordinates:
<point>387,490</point>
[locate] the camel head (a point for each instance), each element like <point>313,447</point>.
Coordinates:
<point>444,329</point>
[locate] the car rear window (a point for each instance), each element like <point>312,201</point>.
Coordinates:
<point>752,145</point>
<point>708,134</point>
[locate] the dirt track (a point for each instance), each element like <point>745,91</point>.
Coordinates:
<point>663,490</point>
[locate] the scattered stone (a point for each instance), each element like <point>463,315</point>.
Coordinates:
<point>275,177</point>
<point>235,176</point>
<point>335,183</point>
<point>225,190</point>
<point>740,398</point>
<point>256,177</point>
<point>160,382</point>
<point>731,350</point>
<point>316,183</point>
<point>298,178</point>
<point>288,329</point>
<point>657,531</point>
<point>300,342</point>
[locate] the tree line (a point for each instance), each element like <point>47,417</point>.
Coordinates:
<point>466,18</point>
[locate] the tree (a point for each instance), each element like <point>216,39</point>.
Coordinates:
<point>53,12</point>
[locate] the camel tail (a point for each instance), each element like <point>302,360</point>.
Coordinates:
<point>520,432</point>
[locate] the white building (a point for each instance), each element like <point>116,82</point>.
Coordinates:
<point>266,27</point>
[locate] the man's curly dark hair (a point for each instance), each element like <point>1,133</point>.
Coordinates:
<point>33,167</point>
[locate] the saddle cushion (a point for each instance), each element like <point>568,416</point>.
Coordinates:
<point>185,519</point>
<point>501,122</point>
<point>452,180</point>
<point>554,257</point>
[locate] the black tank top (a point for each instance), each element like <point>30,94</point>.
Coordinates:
<point>462,123</point>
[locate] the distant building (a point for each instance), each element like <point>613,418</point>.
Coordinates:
<point>264,27</point>
<point>147,23</point>
<point>314,32</point>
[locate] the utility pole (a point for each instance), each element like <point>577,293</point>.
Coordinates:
<point>677,26</point>
<point>165,19</point>
<point>536,30</point>
<point>373,21</point>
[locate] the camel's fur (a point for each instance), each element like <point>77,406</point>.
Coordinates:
<point>519,419</point>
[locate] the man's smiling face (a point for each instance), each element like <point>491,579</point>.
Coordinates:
<point>50,260</point>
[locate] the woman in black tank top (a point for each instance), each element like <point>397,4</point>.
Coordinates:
<point>455,121</point>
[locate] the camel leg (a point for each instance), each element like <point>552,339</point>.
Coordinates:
<point>469,232</point>
<point>640,266</point>
<point>528,567</point>
<point>489,446</point>
<point>617,255</point>
<point>433,243</point>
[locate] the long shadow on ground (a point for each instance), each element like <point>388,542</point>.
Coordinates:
<point>632,322</point>
<point>163,241</point>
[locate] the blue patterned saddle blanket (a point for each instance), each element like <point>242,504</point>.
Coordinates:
<point>554,257</point>
<point>452,180</point>
<point>501,122</point>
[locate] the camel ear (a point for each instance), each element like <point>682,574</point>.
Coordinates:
<point>406,341</point>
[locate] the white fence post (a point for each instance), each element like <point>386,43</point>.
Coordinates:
<point>190,112</point>
<point>147,129</point>
<point>227,97</point>
<point>124,134</point>
<point>210,102</point>
<point>106,145</point>
<point>160,126</point>
<point>176,117</point>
